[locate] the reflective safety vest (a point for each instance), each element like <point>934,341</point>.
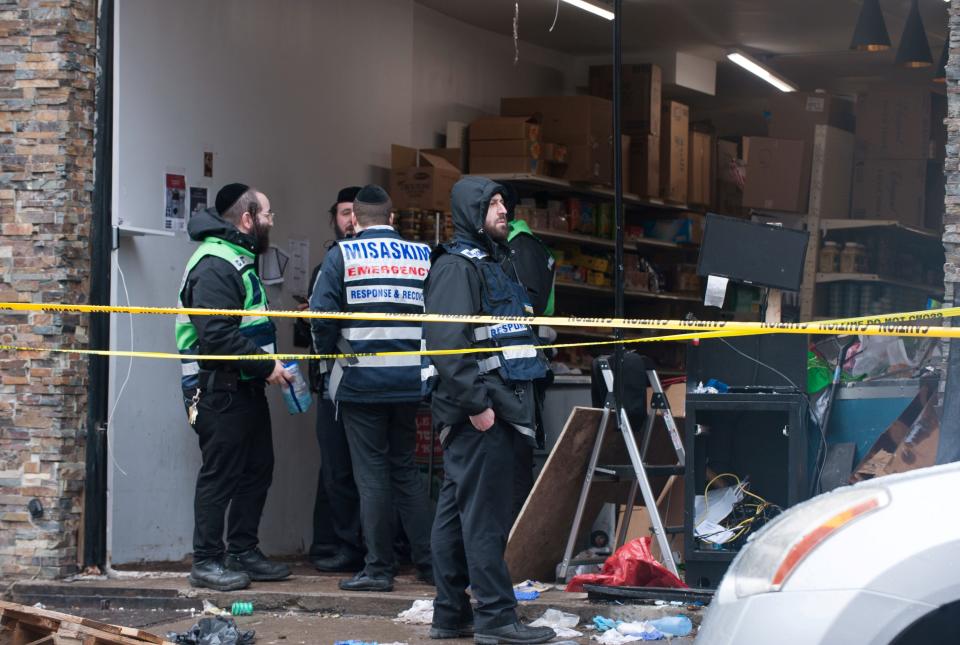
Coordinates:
<point>520,227</point>
<point>500,296</point>
<point>259,328</point>
<point>382,273</point>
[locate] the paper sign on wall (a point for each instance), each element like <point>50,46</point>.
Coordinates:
<point>198,200</point>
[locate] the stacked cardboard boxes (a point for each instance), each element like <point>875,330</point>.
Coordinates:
<point>674,151</point>
<point>641,119</point>
<point>584,124</point>
<point>422,179</point>
<point>893,149</point>
<point>505,144</point>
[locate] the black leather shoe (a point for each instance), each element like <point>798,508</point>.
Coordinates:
<point>213,575</point>
<point>363,582</point>
<point>463,631</point>
<point>343,561</point>
<point>256,565</point>
<point>516,633</point>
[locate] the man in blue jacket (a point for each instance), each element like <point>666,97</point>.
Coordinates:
<point>377,271</point>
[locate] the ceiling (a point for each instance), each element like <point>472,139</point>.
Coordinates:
<point>806,40</point>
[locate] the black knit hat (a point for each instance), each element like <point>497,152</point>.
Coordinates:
<point>348,194</point>
<point>372,194</point>
<point>228,196</point>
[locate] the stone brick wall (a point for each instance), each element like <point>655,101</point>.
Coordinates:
<point>47,80</point>
<point>951,218</point>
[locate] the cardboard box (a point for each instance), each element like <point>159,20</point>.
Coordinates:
<point>645,166</point>
<point>894,124</point>
<point>728,199</point>
<point>640,93</point>
<point>506,148</point>
<point>495,128</point>
<point>583,123</point>
<point>890,189</point>
<point>674,142</point>
<point>795,115</point>
<point>420,179</point>
<point>497,165</point>
<point>700,175</point>
<point>832,172</point>
<point>686,229</point>
<point>452,155</point>
<point>774,174</point>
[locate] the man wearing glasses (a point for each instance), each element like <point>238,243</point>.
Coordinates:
<point>225,400</point>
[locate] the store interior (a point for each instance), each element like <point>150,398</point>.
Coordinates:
<point>303,97</point>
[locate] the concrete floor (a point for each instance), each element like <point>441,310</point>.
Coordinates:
<point>307,608</point>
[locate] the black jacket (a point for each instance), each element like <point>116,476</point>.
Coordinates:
<point>530,264</point>
<point>215,284</point>
<point>453,287</point>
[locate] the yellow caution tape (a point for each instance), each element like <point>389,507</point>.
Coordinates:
<point>897,324</point>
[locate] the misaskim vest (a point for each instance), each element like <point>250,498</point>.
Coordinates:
<point>500,296</point>
<point>520,227</point>
<point>382,273</point>
<point>259,328</point>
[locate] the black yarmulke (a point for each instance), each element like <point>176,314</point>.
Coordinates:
<point>228,196</point>
<point>348,194</point>
<point>372,194</point>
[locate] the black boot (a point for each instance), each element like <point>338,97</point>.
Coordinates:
<point>363,582</point>
<point>256,565</point>
<point>463,631</point>
<point>213,575</point>
<point>515,634</point>
<point>344,560</point>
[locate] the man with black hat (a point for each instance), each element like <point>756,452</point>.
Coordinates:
<point>482,404</point>
<point>377,271</point>
<point>337,543</point>
<point>225,400</point>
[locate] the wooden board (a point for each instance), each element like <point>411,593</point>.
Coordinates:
<point>22,625</point>
<point>539,536</point>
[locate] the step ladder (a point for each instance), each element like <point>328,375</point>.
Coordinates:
<point>637,471</point>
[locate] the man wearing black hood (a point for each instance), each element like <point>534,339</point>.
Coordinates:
<point>482,403</point>
<point>225,400</point>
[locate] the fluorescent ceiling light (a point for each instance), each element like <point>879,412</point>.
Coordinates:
<point>592,8</point>
<point>757,68</point>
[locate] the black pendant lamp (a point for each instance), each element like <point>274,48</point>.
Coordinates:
<point>941,74</point>
<point>914,50</point>
<point>870,34</point>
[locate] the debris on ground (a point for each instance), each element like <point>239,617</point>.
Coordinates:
<point>420,613</point>
<point>561,622</point>
<point>217,630</point>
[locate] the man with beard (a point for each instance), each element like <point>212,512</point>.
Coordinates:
<point>337,543</point>
<point>482,404</point>
<point>225,400</point>
<point>377,396</point>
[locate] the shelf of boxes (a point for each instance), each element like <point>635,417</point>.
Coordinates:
<point>592,289</point>
<point>554,183</point>
<point>829,225</point>
<point>602,242</point>
<point>826,278</point>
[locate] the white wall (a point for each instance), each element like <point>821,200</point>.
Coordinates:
<point>298,97</point>
<point>460,72</point>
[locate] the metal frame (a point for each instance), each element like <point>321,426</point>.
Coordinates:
<point>659,406</point>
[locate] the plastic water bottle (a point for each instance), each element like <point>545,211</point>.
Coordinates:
<point>296,393</point>
<point>673,625</point>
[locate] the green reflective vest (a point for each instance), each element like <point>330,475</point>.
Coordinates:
<point>254,325</point>
<point>518,227</point>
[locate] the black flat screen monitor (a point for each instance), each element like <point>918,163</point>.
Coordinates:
<point>760,254</point>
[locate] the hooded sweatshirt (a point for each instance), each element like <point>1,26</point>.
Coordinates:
<point>454,287</point>
<point>216,284</point>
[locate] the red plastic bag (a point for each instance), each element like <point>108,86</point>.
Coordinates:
<point>632,565</point>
